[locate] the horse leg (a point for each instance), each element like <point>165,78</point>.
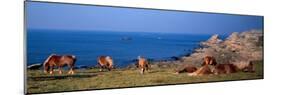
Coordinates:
<point>147,67</point>
<point>71,71</point>
<point>60,72</point>
<point>51,69</point>
<point>142,70</point>
<point>108,68</point>
<point>46,69</point>
<point>101,68</point>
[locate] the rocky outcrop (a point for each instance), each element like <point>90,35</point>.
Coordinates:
<point>245,46</point>
<point>212,41</point>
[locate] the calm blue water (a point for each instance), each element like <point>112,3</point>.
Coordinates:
<point>87,46</point>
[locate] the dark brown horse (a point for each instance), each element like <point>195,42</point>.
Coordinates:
<point>59,61</point>
<point>105,62</point>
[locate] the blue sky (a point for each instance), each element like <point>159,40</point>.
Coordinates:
<point>96,18</point>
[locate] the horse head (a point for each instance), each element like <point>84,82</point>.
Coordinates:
<point>209,60</point>
<point>46,63</point>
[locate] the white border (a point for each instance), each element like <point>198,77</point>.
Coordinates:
<point>11,49</point>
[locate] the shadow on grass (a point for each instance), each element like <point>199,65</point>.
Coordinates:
<point>45,78</point>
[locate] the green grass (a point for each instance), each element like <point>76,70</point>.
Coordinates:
<point>38,82</point>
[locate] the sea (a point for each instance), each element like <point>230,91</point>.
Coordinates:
<point>123,47</point>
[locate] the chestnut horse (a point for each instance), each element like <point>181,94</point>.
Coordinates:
<point>245,66</point>
<point>142,64</point>
<point>105,62</point>
<point>204,70</point>
<point>59,61</point>
<point>224,69</point>
<point>207,67</point>
<point>187,69</point>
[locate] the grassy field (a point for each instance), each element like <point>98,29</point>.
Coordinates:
<point>38,82</point>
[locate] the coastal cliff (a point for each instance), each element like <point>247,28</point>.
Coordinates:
<point>242,47</point>
<point>238,47</point>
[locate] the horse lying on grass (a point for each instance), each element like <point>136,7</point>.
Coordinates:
<point>59,61</point>
<point>204,70</point>
<point>187,69</point>
<point>221,69</point>
<point>210,66</point>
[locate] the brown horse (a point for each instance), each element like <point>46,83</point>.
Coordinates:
<point>245,66</point>
<point>105,62</point>
<point>224,69</point>
<point>142,64</point>
<point>207,67</point>
<point>233,68</point>
<point>187,69</point>
<point>59,61</point>
<point>209,60</point>
<point>204,70</point>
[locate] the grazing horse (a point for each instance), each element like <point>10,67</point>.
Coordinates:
<point>105,62</point>
<point>209,60</point>
<point>142,64</point>
<point>59,61</point>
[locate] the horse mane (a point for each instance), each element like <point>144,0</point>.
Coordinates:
<point>47,60</point>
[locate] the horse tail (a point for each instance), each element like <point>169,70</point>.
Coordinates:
<point>74,60</point>
<point>109,62</point>
<point>109,59</point>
